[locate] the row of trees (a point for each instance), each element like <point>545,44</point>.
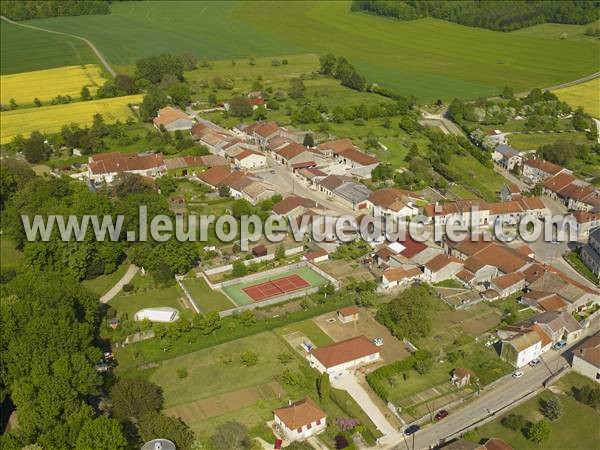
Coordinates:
<point>495,15</point>
<point>342,70</point>
<point>25,10</point>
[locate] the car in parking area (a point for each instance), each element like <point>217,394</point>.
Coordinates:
<point>441,414</point>
<point>534,362</point>
<point>411,429</point>
<point>560,344</point>
<point>517,374</point>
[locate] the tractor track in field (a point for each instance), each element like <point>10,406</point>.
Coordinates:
<point>97,52</point>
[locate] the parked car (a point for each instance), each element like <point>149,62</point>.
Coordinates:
<point>411,429</point>
<point>442,414</point>
<point>560,344</point>
<point>517,374</point>
<point>534,362</point>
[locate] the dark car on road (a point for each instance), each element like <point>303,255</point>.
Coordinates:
<point>442,414</point>
<point>412,429</point>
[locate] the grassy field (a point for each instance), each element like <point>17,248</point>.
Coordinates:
<point>533,141</point>
<point>428,58</point>
<point>207,299</point>
<point>47,84</point>
<point>236,293</point>
<point>585,94</point>
<point>102,284</point>
<point>50,119</point>
<point>576,429</point>
<point>309,329</point>
<point>147,295</point>
<point>24,50</point>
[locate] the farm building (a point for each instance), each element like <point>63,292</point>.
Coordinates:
<point>161,314</point>
<point>335,359</point>
<point>104,167</point>
<point>300,420</point>
<point>172,119</point>
<point>249,159</point>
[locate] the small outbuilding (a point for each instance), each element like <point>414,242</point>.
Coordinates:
<point>259,250</point>
<point>348,314</point>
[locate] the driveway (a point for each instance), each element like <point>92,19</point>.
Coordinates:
<point>126,278</point>
<point>349,383</point>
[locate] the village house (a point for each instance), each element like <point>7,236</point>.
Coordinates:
<point>544,301</point>
<point>336,359</point>
<point>104,167</point>
<point>441,268</point>
<point>394,204</point>
<point>348,314</point>
<point>293,206</point>
<point>172,119</point>
<point>462,212</point>
<point>312,175</point>
<point>521,347</point>
<point>357,163</point>
<point>331,148</point>
<point>261,132</point>
<point>558,325</point>
<point>354,195</point>
<point>494,138</point>
<point>218,176</point>
<point>294,153</point>
<point>316,256</point>
<point>537,170</point>
<point>586,222</point>
<point>577,195</point>
<point>507,157</point>
<point>300,420</point>
<point>251,189</point>
<point>510,192</point>
<point>249,159</point>
<point>590,253</point>
<point>399,276</point>
<point>586,358</point>
<point>508,284</point>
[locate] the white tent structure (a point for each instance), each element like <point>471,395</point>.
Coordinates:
<point>162,314</point>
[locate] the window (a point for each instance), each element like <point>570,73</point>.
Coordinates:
<point>309,426</point>
<point>597,377</point>
<point>319,421</point>
<point>299,430</point>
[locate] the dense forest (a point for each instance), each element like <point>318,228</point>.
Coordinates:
<point>495,15</point>
<point>24,10</point>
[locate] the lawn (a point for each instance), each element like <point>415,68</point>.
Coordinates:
<point>428,58</point>
<point>9,255</point>
<point>102,284</point>
<point>50,119</point>
<point>308,328</point>
<point>533,141</point>
<point>576,429</point>
<point>236,293</point>
<point>207,299</point>
<point>585,94</point>
<point>47,84</point>
<point>477,178</point>
<point>147,295</point>
<point>24,50</point>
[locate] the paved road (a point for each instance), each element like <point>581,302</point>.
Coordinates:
<point>126,278</point>
<point>290,184</point>
<point>494,402</point>
<point>444,121</point>
<point>510,177</point>
<point>104,62</point>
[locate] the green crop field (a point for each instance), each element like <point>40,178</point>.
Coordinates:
<point>24,50</point>
<point>428,58</point>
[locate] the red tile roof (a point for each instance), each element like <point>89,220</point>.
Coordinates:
<point>552,303</point>
<point>508,280</point>
<point>118,162</point>
<point>543,165</point>
<point>358,157</point>
<point>398,273</point>
<point>291,150</point>
<point>345,351</point>
<point>337,145</point>
<point>168,115</point>
<point>303,165</point>
<point>215,175</point>
<point>440,261</point>
<point>300,414</point>
<point>589,350</point>
<point>292,202</point>
<point>348,311</point>
<point>310,256</point>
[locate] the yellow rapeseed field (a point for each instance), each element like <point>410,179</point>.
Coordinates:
<point>47,84</point>
<point>50,119</point>
<point>585,94</point>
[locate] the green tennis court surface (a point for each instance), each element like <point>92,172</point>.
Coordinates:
<point>235,292</point>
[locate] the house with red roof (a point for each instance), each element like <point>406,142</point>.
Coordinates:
<point>394,204</point>
<point>250,159</point>
<point>104,167</point>
<point>356,162</point>
<point>172,119</point>
<point>538,169</point>
<point>300,420</point>
<point>337,358</point>
<point>399,276</point>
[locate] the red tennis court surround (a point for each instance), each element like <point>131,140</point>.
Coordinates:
<point>276,287</point>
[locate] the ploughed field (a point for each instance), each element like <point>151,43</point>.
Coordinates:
<point>427,58</point>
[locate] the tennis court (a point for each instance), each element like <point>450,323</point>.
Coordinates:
<point>295,280</point>
<point>276,287</point>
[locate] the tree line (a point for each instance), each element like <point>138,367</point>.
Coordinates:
<point>495,15</point>
<point>25,10</point>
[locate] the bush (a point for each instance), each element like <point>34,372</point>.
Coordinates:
<point>128,287</point>
<point>538,432</point>
<point>515,422</point>
<point>182,373</point>
<point>551,408</point>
